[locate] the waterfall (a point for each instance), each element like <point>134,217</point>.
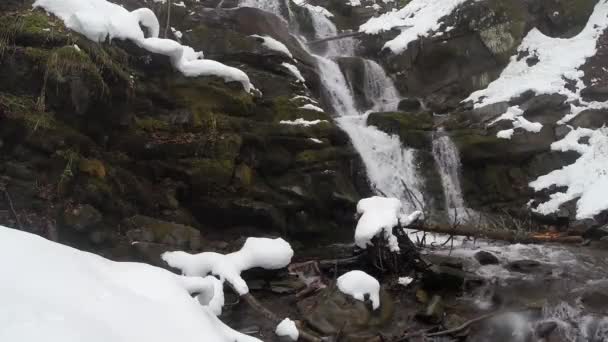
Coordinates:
<point>379,88</point>
<point>447,159</point>
<point>390,168</point>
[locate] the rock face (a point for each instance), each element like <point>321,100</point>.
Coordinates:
<point>113,145</point>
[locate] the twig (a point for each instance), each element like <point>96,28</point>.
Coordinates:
<point>10,204</point>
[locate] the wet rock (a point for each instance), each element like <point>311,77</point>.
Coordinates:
<point>444,260</point>
<point>596,233</point>
<point>544,329</point>
<point>82,218</point>
<point>596,299</point>
<point>148,230</point>
<point>590,118</point>
<point>525,266</point>
<point>433,314</point>
<point>486,258</point>
<point>409,105</point>
<point>445,278</point>
<point>330,311</point>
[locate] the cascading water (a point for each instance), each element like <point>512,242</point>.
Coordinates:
<point>390,167</point>
<point>379,88</point>
<point>447,159</point>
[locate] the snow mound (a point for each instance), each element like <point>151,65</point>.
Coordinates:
<point>556,63</point>
<point>586,179</point>
<point>405,281</point>
<point>419,18</point>
<point>309,106</point>
<point>378,215</point>
<point>288,328</point>
<point>516,116</point>
<point>99,20</point>
<point>301,122</point>
<point>294,71</point>
<point>60,294</point>
<point>256,252</point>
<point>273,45</point>
<point>358,284</point>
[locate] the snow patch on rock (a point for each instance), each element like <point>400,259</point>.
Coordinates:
<point>359,284</point>
<point>288,328</point>
<point>256,252</point>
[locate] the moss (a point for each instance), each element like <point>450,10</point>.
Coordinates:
<point>92,167</point>
<point>207,174</point>
<point>32,28</point>
<point>285,109</point>
<point>149,124</point>
<point>204,96</point>
<point>323,155</point>
<point>24,108</point>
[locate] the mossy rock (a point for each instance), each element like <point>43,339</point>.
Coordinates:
<point>207,174</point>
<point>414,130</point>
<point>92,167</point>
<point>203,96</point>
<point>308,157</point>
<point>147,229</point>
<point>476,145</point>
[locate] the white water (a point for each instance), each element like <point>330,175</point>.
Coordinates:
<point>379,88</point>
<point>390,168</point>
<point>447,159</point>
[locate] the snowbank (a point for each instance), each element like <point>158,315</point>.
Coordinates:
<point>273,45</point>
<point>256,252</point>
<point>301,122</point>
<point>309,106</point>
<point>378,215</point>
<point>359,284</point>
<point>558,63</point>
<point>516,116</point>
<point>586,179</point>
<point>100,19</point>
<point>419,18</point>
<point>294,71</point>
<point>288,328</point>
<point>54,293</point>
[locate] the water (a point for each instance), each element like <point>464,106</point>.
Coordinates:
<point>272,6</point>
<point>447,159</point>
<point>379,88</point>
<point>391,169</point>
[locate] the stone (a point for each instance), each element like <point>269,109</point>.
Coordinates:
<point>145,229</point>
<point>92,167</point>
<point>590,118</point>
<point>433,313</point>
<point>544,329</point>
<point>445,278</point>
<point>486,258</point>
<point>409,105</point>
<point>82,218</point>
<point>524,266</point>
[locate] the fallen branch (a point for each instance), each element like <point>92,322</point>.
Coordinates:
<point>455,330</point>
<point>503,235</point>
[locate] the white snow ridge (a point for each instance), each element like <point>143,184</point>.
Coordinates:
<point>360,284</point>
<point>101,19</point>
<point>54,293</point>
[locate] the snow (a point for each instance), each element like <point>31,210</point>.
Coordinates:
<point>56,293</point>
<point>312,107</point>
<point>99,20</point>
<point>315,140</point>
<point>586,179</point>
<point>378,215</point>
<point>515,115</point>
<point>274,45</point>
<point>294,71</point>
<point>505,134</point>
<point>178,34</point>
<point>358,284</point>
<point>419,18</point>
<point>304,98</point>
<point>559,61</point>
<point>301,122</point>
<point>288,328</point>
<point>256,252</point>
<point>354,3</point>
<point>405,281</point>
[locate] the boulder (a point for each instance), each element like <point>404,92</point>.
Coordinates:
<point>82,218</point>
<point>172,236</point>
<point>486,258</point>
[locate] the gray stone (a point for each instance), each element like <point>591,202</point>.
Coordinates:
<point>486,258</point>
